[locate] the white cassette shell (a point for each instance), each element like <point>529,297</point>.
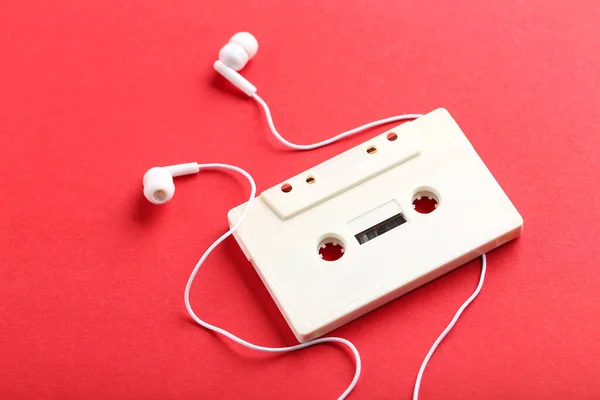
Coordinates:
<point>356,199</point>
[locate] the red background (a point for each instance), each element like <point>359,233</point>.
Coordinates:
<point>92,93</point>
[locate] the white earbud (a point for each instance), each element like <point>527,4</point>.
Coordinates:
<point>234,56</point>
<point>242,47</point>
<point>158,181</point>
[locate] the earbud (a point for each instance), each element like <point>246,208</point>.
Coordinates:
<point>158,181</point>
<point>242,47</point>
<point>234,56</point>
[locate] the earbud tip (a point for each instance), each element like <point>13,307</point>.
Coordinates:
<point>159,187</point>
<point>247,41</point>
<point>159,195</point>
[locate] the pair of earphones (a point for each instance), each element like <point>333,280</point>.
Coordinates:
<point>159,188</point>
<point>233,57</point>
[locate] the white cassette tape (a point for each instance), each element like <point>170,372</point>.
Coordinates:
<point>373,223</point>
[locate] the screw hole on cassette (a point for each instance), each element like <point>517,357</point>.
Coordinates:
<point>392,136</point>
<point>372,150</point>
<point>331,249</point>
<point>425,201</point>
<point>310,180</point>
<point>286,188</point>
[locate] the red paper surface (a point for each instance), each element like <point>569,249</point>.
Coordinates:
<point>93,93</point>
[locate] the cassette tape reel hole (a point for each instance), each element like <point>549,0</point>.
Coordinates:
<point>425,201</point>
<point>331,249</point>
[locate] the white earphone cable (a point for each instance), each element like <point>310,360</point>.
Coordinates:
<point>333,139</point>
<point>159,188</point>
<point>449,327</point>
<point>231,335</point>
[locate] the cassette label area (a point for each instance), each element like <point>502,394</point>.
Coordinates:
<point>373,223</point>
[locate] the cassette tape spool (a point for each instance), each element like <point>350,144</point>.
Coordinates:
<point>373,223</point>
